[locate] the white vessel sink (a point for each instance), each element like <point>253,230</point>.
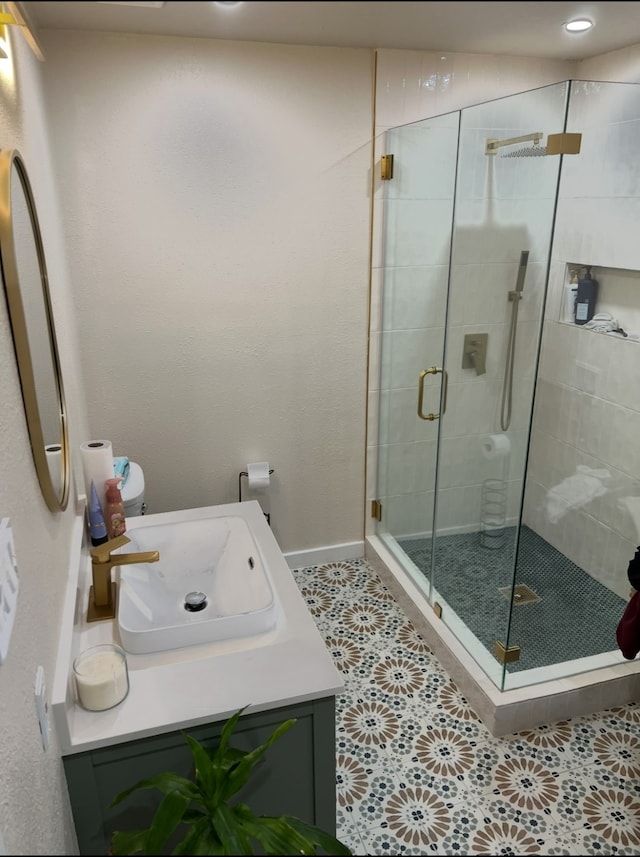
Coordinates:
<point>211,561</point>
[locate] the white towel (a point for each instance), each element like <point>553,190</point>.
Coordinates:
<point>575,491</point>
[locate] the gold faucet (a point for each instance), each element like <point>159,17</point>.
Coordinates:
<point>102,595</point>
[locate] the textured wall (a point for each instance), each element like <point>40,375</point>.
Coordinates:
<point>215,197</point>
<point>34,810</point>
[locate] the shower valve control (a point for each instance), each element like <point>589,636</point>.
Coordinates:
<point>474,352</point>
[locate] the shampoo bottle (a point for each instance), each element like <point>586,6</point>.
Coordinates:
<point>97,526</point>
<point>116,525</point>
<point>586,298</point>
<point>570,296</point>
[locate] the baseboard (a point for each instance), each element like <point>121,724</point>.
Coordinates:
<point>320,556</point>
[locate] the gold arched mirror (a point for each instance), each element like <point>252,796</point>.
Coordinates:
<point>27,291</point>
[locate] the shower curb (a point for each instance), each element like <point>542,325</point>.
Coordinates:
<point>509,711</point>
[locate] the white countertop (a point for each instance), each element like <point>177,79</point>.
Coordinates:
<point>196,684</point>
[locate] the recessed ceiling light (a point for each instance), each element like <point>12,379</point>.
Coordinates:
<point>580,25</point>
<point>227,4</point>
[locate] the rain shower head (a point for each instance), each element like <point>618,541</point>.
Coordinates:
<point>533,151</point>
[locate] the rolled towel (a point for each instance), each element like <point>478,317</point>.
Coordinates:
<point>604,322</point>
<point>121,467</point>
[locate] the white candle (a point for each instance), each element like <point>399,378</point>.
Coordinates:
<point>102,680</point>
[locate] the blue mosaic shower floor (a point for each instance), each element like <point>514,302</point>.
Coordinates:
<point>575,617</point>
<point>418,772</point>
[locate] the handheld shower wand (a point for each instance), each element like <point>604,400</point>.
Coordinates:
<point>515,295</point>
<point>522,270</point>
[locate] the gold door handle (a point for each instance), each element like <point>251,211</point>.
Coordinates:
<point>445,380</point>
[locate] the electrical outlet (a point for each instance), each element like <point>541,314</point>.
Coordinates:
<point>42,707</point>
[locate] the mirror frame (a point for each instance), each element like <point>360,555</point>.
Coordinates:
<point>10,161</point>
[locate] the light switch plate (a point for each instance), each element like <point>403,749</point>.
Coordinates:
<point>9,585</point>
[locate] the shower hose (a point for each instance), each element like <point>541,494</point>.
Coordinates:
<point>507,387</point>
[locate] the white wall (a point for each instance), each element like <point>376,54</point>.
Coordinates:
<point>216,202</point>
<point>34,809</point>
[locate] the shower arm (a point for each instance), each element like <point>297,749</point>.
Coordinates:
<point>491,146</point>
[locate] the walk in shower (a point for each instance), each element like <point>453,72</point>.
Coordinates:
<point>507,449</point>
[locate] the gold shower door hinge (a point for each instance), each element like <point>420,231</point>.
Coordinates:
<point>386,168</point>
<point>506,656</point>
<point>564,144</point>
<point>376,510</point>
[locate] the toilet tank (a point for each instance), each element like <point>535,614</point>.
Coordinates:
<point>133,492</point>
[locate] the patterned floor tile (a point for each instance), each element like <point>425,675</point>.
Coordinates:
<point>417,772</point>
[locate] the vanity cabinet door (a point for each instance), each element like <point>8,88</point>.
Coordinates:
<point>297,776</point>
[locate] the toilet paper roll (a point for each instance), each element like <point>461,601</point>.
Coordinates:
<point>54,461</point>
<point>97,465</point>
<point>259,478</point>
<point>496,446</point>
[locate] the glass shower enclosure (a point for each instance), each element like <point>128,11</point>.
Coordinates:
<point>468,236</point>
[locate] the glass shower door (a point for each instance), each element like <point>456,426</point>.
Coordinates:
<point>418,212</point>
<point>505,202</point>
<point>467,239</point>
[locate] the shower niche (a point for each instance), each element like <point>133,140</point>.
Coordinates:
<point>618,299</point>
<point>517,482</point>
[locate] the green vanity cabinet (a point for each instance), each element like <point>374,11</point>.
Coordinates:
<point>297,776</point>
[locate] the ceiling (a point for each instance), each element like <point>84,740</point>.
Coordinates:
<point>516,29</point>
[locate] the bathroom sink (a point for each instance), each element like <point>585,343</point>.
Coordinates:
<point>209,584</point>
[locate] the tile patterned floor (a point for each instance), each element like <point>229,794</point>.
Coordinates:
<point>417,771</point>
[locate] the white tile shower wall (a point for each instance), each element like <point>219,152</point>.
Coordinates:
<point>585,461</point>
<point>413,85</point>
<point>621,65</point>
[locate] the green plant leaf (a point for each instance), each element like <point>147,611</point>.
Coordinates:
<point>165,783</point>
<point>227,731</point>
<point>167,817</point>
<point>328,843</point>
<point>206,778</point>
<point>230,829</point>
<point>277,837</point>
<point>239,773</point>
<point>201,839</point>
<point>194,814</point>
<point>129,841</point>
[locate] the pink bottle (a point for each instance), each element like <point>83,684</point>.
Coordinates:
<point>114,512</point>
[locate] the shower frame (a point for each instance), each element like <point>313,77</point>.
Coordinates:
<point>563,688</point>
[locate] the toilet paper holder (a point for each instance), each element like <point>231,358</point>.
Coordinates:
<point>243,473</point>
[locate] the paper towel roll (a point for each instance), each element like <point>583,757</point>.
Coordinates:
<point>496,446</point>
<point>259,477</point>
<point>97,464</point>
<point>54,461</point>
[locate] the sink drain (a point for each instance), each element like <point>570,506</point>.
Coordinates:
<point>195,601</point>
